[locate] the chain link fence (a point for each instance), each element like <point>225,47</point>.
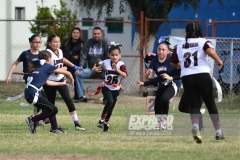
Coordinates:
<point>15,40</point>
<point>228,50</point>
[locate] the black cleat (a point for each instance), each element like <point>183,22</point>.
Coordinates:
<point>196,135</point>
<point>106,127</point>
<point>100,123</point>
<point>81,99</point>
<point>219,136</point>
<point>58,130</point>
<point>31,125</point>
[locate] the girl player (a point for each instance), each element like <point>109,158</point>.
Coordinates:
<point>38,75</point>
<point>115,71</point>
<point>25,57</point>
<point>184,102</point>
<point>195,73</point>
<point>165,91</point>
<point>53,45</point>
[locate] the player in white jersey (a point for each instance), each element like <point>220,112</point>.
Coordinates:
<point>195,73</point>
<point>53,45</point>
<point>115,71</point>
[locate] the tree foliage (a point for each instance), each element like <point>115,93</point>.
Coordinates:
<point>153,9</point>
<point>49,19</point>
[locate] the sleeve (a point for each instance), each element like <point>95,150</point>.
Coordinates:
<point>51,68</point>
<point>21,57</point>
<point>175,73</point>
<point>154,81</point>
<point>105,43</point>
<point>123,68</point>
<point>83,54</point>
<point>174,57</point>
<point>207,45</point>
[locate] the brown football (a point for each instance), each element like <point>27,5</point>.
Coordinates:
<point>99,62</point>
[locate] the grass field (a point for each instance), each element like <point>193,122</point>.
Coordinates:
<point>16,142</point>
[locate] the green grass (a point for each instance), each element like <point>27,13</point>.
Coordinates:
<point>17,142</point>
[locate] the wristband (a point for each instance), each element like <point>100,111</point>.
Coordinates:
<point>78,68</point>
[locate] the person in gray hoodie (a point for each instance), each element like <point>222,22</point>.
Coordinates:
<point>94,48</point>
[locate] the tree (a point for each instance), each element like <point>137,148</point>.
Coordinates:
<point>154,9</point>
<point>49,20</point>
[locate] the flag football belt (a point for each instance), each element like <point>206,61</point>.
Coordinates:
<point>36,94</point>
<point>100,87</point>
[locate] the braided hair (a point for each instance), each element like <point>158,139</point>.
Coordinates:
<point>193,30</point>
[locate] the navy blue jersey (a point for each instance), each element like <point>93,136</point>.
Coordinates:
<point>23,58</point>
<point>38,79</point>
<point>164,67</point>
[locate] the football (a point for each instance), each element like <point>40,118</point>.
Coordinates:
<point>99,62</point>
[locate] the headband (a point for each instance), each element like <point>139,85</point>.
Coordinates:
<point>115,44</point>
<point>163,40</point>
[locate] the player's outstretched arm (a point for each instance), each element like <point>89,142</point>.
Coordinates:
<point>14,65</point>
<point>66,73</point>
<point>53,83</point>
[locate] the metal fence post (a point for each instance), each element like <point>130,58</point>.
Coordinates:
<point>231,66</point>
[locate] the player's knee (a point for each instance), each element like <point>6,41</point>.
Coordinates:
<point>110,102</point>
<point>54,111</point>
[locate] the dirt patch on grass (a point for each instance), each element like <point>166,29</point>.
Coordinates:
<point>46,157</point>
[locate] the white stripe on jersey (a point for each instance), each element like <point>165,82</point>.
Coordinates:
<point>58,62</point>
<point>193,60</point>
<point>111,76</point>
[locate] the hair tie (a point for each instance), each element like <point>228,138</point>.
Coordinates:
<point>151,54</point>
<point>162,39</point>
<point>42,61</point>
<point>115,44</point>
<point>37,62</point>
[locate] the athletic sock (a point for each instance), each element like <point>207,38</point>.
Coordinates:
<point>75,119</point>
<point>53,121</point>
<point>219,130</point>
<point>195,122</point>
